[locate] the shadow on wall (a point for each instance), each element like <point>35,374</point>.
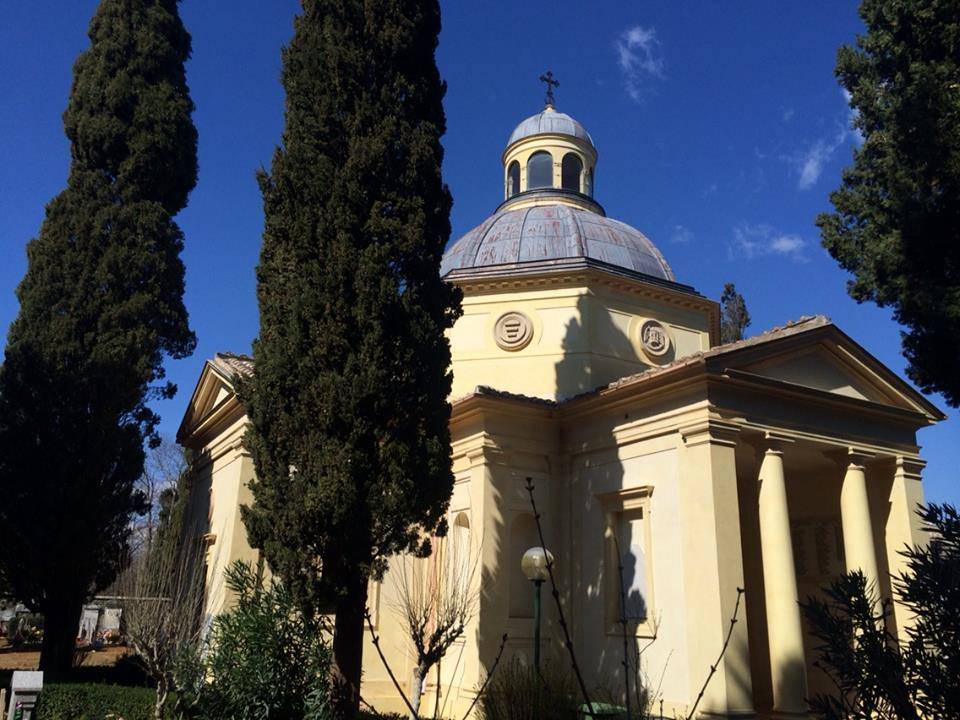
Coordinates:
<point>196,527</point>
<point>589,574</point>
<point>492,610</point>
<point>595,351</point>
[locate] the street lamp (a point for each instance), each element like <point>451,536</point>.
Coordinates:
<point>534,565</point>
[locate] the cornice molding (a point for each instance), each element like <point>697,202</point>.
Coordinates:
<point>909,468</point>
<point>713,431</point>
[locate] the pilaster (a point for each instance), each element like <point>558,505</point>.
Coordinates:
<point>903,526</point>
<point>713,569</point>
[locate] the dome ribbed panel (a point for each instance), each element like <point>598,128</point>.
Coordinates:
<point>616,243</point>
<point>548,229</point>
<point>555,232</point>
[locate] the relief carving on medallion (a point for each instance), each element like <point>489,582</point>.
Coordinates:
<point>654,339</point>
<point>513,331</point>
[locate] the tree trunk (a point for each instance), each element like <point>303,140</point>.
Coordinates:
<point>436,700</point>
<point>61,620</point>
<point>163,691</point>
<point>348,649</point>
<point>416,688</point>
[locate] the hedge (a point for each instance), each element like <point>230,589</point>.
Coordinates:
<point>76,701</point>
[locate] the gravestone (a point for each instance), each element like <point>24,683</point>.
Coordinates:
<point>88,622</point>
<point>24,690</point>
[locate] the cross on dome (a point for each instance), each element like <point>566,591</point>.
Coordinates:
<point>551,83</point>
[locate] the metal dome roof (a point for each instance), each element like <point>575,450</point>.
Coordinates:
<point>549,122</point>
<point>555,232</point>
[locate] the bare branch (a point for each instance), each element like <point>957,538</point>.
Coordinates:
<point>556,598</point>
<point>713,668</point>
<point>164,466</point>
<point>162,596</point>
<point>493,669</point>
<point>376,643</point>
<point>437,597</point>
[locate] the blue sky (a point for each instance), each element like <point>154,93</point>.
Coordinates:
<point>720,126</point>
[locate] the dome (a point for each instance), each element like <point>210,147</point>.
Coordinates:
<point>555,232</point>
<point>549,122</point>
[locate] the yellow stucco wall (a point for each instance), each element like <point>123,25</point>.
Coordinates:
<point>585,334</point>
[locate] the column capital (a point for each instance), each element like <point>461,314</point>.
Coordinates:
<point>851,456</point>
<point>773,443</point>
<point>710,430</point>
<point>910,468</point>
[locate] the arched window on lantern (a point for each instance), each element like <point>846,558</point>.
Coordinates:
<point>523,536</point>
<point>570,172</point>
<point>513,179</point>
<point>540,170</point>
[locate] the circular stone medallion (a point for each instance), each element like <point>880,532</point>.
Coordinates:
<point>654,338</point>
<point>513,331</point>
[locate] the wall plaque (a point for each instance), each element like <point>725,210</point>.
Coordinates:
<point>654,338</point>
<point>513,331</point>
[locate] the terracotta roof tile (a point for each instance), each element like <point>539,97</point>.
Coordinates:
<point>231,364</point>
<point>794,327</point>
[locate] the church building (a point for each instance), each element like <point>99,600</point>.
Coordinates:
<point>771,464</point>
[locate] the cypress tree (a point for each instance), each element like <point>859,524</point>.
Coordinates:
<point>348,403</point>
<point>734,318</point>
<point>101,304</point>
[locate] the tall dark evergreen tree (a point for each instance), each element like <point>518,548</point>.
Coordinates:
<point>100,306</point>
<point>348,404</point>
<point>896,227</point>
<point>734,318</point>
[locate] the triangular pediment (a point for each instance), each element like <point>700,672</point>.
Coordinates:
<point>827,360</point>
<point>821,369</point>
<point>214,389</point>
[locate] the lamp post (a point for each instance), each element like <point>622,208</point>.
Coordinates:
<point>534,566</point>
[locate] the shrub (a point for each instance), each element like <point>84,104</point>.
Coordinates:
<point>876,673</point>
<point>76,701</point>
<point>513,691</point>
<point>263,660</point>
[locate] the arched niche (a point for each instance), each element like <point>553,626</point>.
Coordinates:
<point>523,536</point>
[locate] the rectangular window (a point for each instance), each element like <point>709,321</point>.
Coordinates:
<point>628,569</point>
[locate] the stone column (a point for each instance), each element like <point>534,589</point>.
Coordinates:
<point>858,545</point>
<point>787,664</point>
<point>903,526</point>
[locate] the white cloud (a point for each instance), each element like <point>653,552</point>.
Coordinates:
<point>787,244</point>
<point>639,59</point>
<point>681,234</point>
<point>787,114</point>
<point>755,241</point>
<point>710,189</point>
<point>811,162</point>
<point>852,117</point>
